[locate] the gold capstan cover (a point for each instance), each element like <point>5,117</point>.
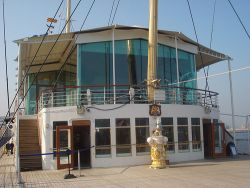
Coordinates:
<point>158,153</point>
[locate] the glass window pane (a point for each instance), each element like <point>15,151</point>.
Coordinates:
<point>123,140</point>
<point>195,121</point>
<point>141,122</point>
<point>102,140</point>
<point>55,124</point>
<point>142,133</point>
<point>102,137</point>
<point>168,131</point>
<point>182,121</point>
<point>64,141</point>
<point>167,121</point>
<point>123,136</point>
<point>102,123</point>
<point>183,142</point>
<point>196,138</point>
<point>123,122</point>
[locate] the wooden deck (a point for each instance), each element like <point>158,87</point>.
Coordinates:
<point>224,173</point>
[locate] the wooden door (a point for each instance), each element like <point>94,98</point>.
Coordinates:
<point>64,141</point>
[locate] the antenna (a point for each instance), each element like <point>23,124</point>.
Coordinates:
<point>50,26</point>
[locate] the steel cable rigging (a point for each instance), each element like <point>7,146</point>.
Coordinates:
<point>5,56</point>
<point>197,40</point>
<point>42,65</point>
<point>115,11</point>
<point>111,11</point>
<point>72,48</point>
<point>211,35</point>
<point>239,19</point>
<point>32,61</point>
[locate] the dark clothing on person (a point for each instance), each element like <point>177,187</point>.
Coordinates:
<point>11,148</point>
<point>7,147</point>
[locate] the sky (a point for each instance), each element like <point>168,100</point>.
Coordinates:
<point>28,17</point>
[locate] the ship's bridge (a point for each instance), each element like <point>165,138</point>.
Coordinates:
<point>100,66</point>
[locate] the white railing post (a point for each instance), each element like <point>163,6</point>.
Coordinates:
<point>41,102</point>
<point>131,95</point>
<point>52,99</point>
<point>104,95</point>
<point>113,53</point>
<point>232,101</point>
<point>79,164</point>
<point>89,96</point>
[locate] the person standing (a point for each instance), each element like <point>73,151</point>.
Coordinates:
<point>11,147</point>
<point>7,147</point>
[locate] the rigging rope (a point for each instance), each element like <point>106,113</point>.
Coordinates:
<point>214,75</point>
<point>239,19</point>
<point>6,64</point>
<point>27,70</point>
<point>41,67</point>
<point>198,44</point>
<point>115,11</point>
<point>211,35</point>
<point>212,30</point>
<point>111,11</point>
<point>73,47</point>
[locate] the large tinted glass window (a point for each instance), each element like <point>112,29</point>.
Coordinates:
<point>142,133</point>
<point>196,138</point>
<point>168,131</point>
<point>123,137</point>
<point>102,138</point>
<point>94,63</point>
<point>183,142</point>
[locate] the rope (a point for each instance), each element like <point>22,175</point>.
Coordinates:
<point>213,75</point>
<point>115,11</point>
<point>26,73</point>
<point>73,47</point>
<point>211,36</point>
<point>190,11</point>
<point>111,11</point>
<point>6,64</point>
<point>44,61</point>
<point>212,30</point>
<point>239,19</point>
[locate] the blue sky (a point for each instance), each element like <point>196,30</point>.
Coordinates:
<point>28,17</point>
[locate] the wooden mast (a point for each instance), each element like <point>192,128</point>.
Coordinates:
<point>152,48</point>
<point>68,16</point>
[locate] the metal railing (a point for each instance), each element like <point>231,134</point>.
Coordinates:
<point>75,96</point>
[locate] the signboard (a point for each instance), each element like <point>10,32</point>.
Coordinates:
<point>155,110</point>
<point>160,95</point>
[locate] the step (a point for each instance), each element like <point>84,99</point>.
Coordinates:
<point>29,144</point>
<point>28,152</point>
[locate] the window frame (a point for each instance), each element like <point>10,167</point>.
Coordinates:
<point>185,143</point>
<point>142,145</point>
<point>103,146</point>
<point>59,123</point>
<point>169,125</point>
<point>123,146</point>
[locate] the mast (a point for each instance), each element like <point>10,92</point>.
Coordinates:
<point>152,47</point>
<point>68,16</point>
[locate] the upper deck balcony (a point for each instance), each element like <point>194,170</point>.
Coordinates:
<point>93,95</point>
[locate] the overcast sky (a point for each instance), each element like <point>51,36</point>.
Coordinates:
<point>28,17</point>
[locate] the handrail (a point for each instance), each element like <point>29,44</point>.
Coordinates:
<point>103,94</point>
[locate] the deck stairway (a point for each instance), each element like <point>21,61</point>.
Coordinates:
<point>29,144</point>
